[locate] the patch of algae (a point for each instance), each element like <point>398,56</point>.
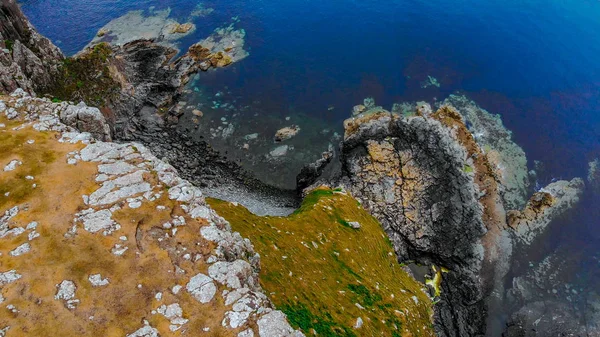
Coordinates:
<point>119,308</point>
<point>325,274</point>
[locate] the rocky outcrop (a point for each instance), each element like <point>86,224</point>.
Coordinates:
<point>86,119</point>
<point>441,197</point>
<point>548,299</point>
<point>496,141</point>
<point>544,206</point>
<point>116,234</point>
<point>27,59</point>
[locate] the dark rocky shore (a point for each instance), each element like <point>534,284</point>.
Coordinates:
<point>453,198</point>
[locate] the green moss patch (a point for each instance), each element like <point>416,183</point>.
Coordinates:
<point>325,275</point>
<point>87,78</point>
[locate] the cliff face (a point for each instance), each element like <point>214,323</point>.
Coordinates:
<point>441,198</point>
<point>105,239</point>
<point>29,60</point>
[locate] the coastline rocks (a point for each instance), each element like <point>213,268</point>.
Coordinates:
<point>310,173</point>
<point>440,191</point>
<point>167,239</point>
<point>87,119</point>
<point>286,133</point>
<point>544,206</point>
<point>550,299</point>
<point>496,141</point>
<point>137,26</point>
<point>27,59</point>
<point>409,174</point>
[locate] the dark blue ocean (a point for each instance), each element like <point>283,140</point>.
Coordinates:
<point>536,63</point>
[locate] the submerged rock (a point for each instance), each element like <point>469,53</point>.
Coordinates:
<point>286,133</point>
<point>593,177</point>
<point>137,26</point>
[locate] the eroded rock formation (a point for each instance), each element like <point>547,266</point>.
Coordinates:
<point>441,193</point>
<point>27,59</point>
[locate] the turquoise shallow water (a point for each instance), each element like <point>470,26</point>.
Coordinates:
<point>533,62</point>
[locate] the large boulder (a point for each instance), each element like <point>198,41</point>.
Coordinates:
<point>87,119</point>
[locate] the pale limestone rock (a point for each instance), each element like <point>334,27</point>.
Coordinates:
<point>9,277</point>
<point>97,281</point>
<point>145,331</point>
<point>233,274</point>
<point>66,292</point>
<point>12,165</point>
<point>201,287</point>
<point>20,250</point>
<point>275,324</point>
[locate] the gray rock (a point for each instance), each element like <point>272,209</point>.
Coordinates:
<point>275,324</point>
<point>9,277</point>
<point>20,250</point>
<point>232,274</point>
<point>145,331</point>
<point>87,119</point>
<point>97,281</point>
<point>202,288</point>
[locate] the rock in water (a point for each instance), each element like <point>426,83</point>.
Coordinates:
<point>594,175</point>
<point>435,186</point>
<point>87,119</point>
<point>286,133</point>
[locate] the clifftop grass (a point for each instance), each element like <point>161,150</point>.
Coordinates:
<point>113,310</point>
<point>324,274</point>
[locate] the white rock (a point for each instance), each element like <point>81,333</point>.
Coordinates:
<point>279,151</point>
<point>12,165</point>
<point>22,249</point>
<point>202,288</point>
<point>94,222</point>
<point>246,333</point>
<point>118,168</point>
<point>354,224</point>
<point>358,324</point>
<point>146,331</point>
<point>119,250</point>
<point>33,235</point>
<point>97,281</point>
<point>66,292</point>
<point>176,289</point>
<point>275,324</point>
<point>233,274</point>
<point>9,277</point>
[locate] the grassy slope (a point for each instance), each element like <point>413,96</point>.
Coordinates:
<point>118,309</point>
<point>316,268</point>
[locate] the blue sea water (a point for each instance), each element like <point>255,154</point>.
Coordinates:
<point>533,62</point>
